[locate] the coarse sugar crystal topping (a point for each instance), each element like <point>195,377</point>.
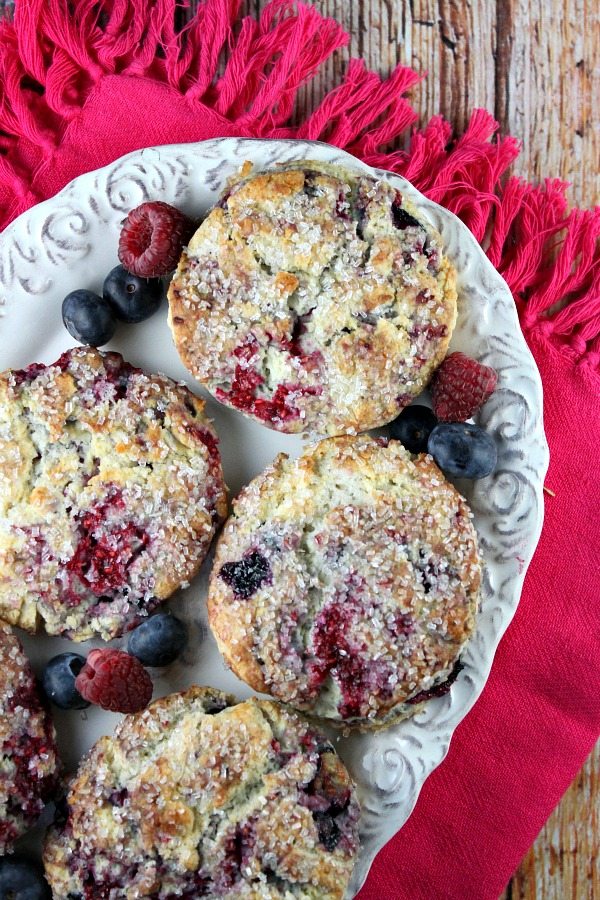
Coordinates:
<point>198,797</point>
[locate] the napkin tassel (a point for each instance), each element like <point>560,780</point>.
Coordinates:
<point>53,54</point>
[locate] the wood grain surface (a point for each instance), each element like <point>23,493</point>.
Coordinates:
<point>536,66</point>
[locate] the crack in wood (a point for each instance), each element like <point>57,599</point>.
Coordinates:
<point>447,42</point>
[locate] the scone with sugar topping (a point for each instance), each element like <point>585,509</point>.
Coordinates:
<point>199,797</point>
<point>28,759</point>
<point>111,491</point>
<point>314,298</point>
<point>346,582</point>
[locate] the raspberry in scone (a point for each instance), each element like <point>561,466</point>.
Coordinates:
<point>28,759</point>
<point>199,797</point>
<point>111,490</point>
<point>347,581</point>
<point>314,298</point>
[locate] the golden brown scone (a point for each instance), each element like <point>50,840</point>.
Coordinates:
<point>346,582</point>
<point>111,490</point>
<point>314,298</point>
<point>28,759</point>
<point>196,797</point>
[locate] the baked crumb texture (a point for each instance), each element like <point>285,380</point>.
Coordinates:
<point>314,298</point>
<point>28,760</point>
<point>196,797</point>
<point>346,582</point>
<point>111,490</point>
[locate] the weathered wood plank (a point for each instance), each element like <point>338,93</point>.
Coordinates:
<point>564,862</point>
<point>552,76</point>
<point>535,66</point>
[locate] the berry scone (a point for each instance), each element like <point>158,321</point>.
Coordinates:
<point>199,797</point>
<point>346,582</point>
<point>111,490</point>
<point>28,760</point>
<point>313,298</point>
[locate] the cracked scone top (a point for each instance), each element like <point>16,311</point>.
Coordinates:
<point>314,298</point>
<point>346,582</point>
<point>110,492</point>
<point>196,797</point>
<point>28,759</point>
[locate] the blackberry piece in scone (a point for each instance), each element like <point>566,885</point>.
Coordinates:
<point>111,491</point>
<point>199,797</point>
<point>314,298</point>
<point>346,582</point>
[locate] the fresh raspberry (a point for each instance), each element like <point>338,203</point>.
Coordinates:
<point>460,386</point>
<point>115,681</point>
<point>152,239</point>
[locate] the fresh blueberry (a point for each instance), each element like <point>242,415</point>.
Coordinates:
<point>132,299</point>
<point>159,640</point>
<point>413,427</point>
<point>21,879</point>
<point>88,318</point>
<point>59,681</point>
<point>462,450</point>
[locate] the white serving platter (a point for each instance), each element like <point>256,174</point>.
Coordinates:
<point>70,241</point>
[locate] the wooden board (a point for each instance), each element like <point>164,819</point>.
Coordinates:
<point>534,65</point>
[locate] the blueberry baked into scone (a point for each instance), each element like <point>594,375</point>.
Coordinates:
<point>28,759</point>
<point>346,582</point>
<point>111,491</point>
<point>313,298</point>
<point>197,796</point>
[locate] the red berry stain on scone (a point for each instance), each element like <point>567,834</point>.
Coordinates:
<point>106,549</point>
<point>282,407</point>
<point>237,851</point>
<point>28,374</point>
<point>338,652</point>
<point>243,393</point>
